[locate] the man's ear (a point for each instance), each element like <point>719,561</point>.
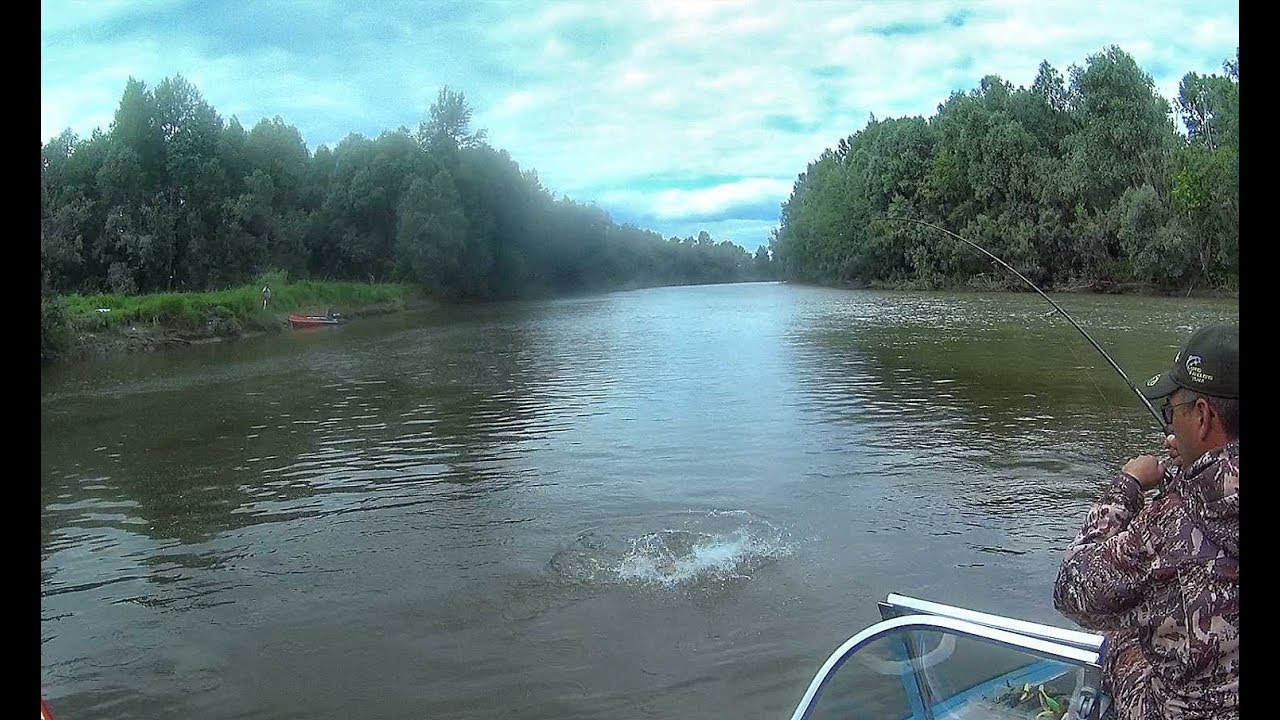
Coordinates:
<point>1205,416</point>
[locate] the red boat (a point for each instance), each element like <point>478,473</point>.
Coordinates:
<point>308,321</point>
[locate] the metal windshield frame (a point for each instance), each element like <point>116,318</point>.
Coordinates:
<point>915,606</point>
<point>941,623</point>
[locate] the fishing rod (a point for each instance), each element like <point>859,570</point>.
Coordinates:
<point>1154,413</point>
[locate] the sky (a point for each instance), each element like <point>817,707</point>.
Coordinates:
<point>672,116</point>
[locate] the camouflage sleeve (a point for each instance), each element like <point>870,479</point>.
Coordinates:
<point>1107,567</point>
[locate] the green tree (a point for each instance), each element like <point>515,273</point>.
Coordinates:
<point>173,197</point>
<point>449,119</point>
<point>433,241</point>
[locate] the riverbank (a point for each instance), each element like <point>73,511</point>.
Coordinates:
<point>1102,287</point>
<point>149,337</point>
<point>79,327</point>
<point>82,327</point>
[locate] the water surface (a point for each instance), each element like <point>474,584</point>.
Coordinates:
<point>664,503</point>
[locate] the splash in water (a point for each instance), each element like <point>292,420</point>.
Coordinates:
<point>707,546</point>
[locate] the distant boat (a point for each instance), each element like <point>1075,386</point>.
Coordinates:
<point>309,321</point>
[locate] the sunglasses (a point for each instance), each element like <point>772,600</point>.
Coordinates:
<point>1166,410</point>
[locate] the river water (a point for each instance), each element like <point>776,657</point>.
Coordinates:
<point>671,502</point>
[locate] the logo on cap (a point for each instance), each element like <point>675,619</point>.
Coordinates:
<point>1154,379</point>
<point>1193,370</point>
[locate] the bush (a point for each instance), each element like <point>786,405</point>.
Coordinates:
<point>224,312</point>
<point>169,308</point>
<point>55,328</point>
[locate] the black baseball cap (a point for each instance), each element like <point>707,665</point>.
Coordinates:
<point>1209,364</point>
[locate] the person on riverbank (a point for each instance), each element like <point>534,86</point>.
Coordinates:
<point>266,296</point>
<point>1160,577</point>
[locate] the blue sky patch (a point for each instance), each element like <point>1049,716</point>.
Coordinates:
<point>686,117</point>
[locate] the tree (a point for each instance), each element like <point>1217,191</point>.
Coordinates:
<point>762,264</point>
<point>1069,183</point>
<point>192,183</point>
<point>449,119</point>
<point>1124,134</point>
<point>173,197</point>
<point>432,238</point>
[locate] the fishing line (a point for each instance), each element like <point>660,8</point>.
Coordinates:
<point>1075,355</point>
<point>1146,403</point>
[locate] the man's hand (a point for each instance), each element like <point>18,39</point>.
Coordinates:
<point>1146,470</point>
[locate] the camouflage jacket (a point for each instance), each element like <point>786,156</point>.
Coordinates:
<point>1162,583</point>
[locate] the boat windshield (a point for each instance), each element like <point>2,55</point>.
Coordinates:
<point>930,668</point>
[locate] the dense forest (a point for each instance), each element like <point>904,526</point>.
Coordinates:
<point>1081,182</point>
<point>1078,182</point>
<point>173,198</point>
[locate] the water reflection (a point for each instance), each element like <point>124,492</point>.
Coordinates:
<point>671,502</point>
<point>993,391</point>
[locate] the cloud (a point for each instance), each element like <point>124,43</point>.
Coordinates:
<point>669,112</point>
<point>748,198</point>
<point>732,199</point>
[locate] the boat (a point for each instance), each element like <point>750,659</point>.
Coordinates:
<point>929,661</point>
<point>310,321</point>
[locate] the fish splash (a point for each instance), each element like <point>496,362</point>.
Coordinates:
<point>699,547</point>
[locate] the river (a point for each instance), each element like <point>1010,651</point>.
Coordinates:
<point>671,502</point>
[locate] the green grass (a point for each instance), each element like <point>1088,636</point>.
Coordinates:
<point>189,310</point>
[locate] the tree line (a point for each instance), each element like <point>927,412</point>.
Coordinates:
<point>173,198</point>
<point>1077,182</point>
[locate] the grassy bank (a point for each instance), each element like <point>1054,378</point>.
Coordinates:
<point>986,283</point>
<point>78,326</point>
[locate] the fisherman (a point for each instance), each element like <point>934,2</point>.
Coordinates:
<point>266,296</point>
<point>1160,576</point>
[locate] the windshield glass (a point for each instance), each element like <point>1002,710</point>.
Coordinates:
<point>952,677</point>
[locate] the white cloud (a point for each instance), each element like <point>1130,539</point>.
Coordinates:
<point>1216,32</point>
<point>676,204</point>
<point>682,203</point>
<point>59,17</point>
<point>622,103</point>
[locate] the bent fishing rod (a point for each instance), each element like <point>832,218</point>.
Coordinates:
<point>1154,413</point>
